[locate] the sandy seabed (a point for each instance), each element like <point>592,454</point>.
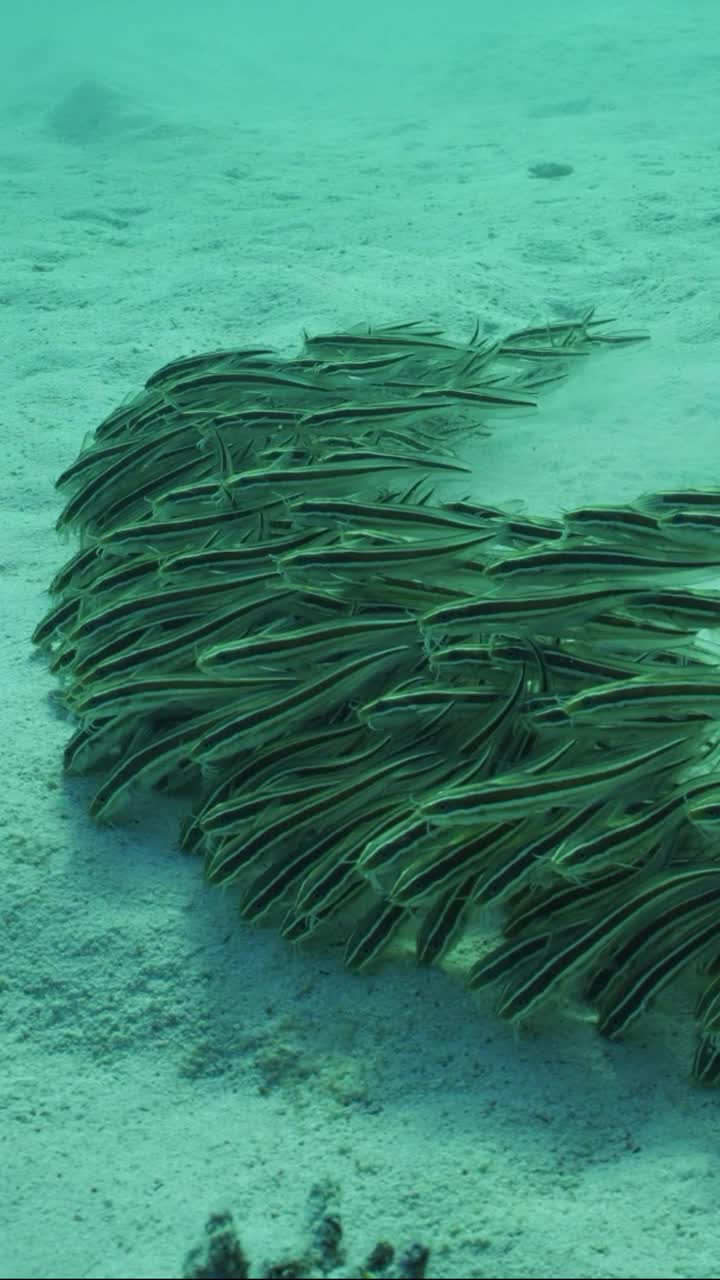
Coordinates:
<point>161,1060</point>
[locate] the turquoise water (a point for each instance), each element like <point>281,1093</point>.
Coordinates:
<point>180,179</point>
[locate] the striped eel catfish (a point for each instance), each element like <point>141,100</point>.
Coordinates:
<point>387,703</point>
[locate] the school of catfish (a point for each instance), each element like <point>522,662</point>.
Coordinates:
<point>394,713</point>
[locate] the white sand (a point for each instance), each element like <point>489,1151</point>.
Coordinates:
<point>160,1060</point>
